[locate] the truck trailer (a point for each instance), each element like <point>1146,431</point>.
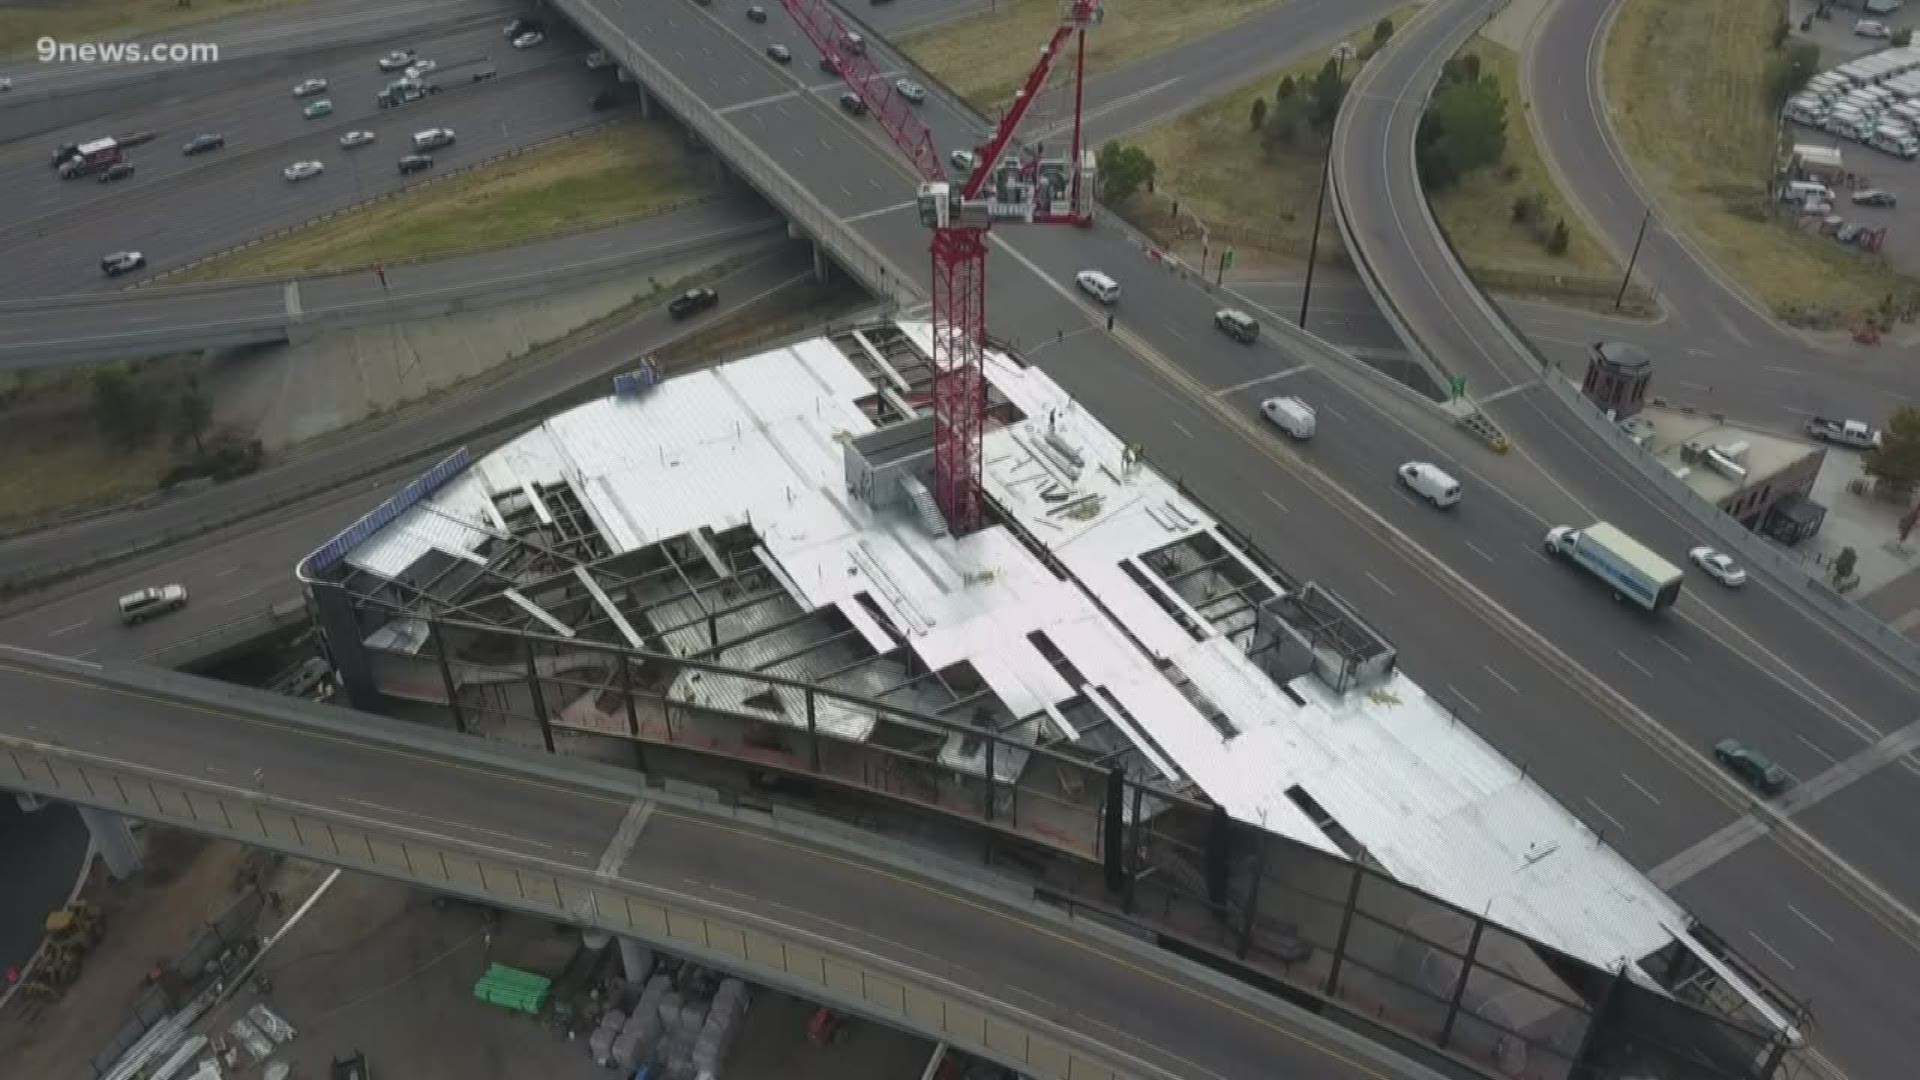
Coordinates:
<point>1627,566</point>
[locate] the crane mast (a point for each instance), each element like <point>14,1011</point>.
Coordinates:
<point>1021,187</point>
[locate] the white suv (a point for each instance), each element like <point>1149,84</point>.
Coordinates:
<point>432,138</point>
<point>138,607</point>
<point>1098,285</point>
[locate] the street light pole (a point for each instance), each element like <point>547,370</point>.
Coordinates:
<point>1340,54</point>
<point>1632,259</point>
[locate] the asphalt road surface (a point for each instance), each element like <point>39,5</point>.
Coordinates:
<point>1171,1022</point>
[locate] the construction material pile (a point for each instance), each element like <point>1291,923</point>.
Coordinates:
<point>511,988</point>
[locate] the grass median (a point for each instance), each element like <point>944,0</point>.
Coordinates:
<point>615,174</point>
<point>1686,91</point>
<point>985,57</point>
<point>79,21</point>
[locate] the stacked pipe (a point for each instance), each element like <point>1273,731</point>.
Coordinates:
<point>722,1026</point>
<point>638,1036</point>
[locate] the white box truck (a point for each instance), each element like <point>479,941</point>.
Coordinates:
<point>1626,566</point>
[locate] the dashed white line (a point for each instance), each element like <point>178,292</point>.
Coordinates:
<point>530,842</point>
<point>1636,786</point>
<point>1477,551</point>
<point>1182,428</point>
<point>1382,584</point>
<point>1175,331</point>
<point>1497,677</point>
<point>230,570</point>
<point>68,629</point>
<point>1810,745</point>
<point>1602,811</point>
<point>83,654</point>
<point>1771,949</point>
<point>1809,922</point>
<point>242,596</point>
<point>1464,699</point>
<point>1665,644</point>
<point>1636,664</point>
<point>1274,501</point>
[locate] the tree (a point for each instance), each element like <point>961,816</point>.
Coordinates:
<point>1328,90</point>
<point>1285,91</point>
<point>1123,170</point>
<point>1462,68</point>
<point>1780,31</point>
<point>1788,71</point>
<point>1382,30</point>
<point>1843,564</point>
<point>117,407</point>
<point>1282,125</point>
<point>1463,129</point>
<point>193,417</point>
<point>1258,114</point>
<point>1557,240</point>
<point>1896,463</point>
<point>1902,37</point>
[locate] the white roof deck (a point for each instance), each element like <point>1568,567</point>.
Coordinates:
<point>760,441</point>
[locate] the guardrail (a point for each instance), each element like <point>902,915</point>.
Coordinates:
<point>842,241</point>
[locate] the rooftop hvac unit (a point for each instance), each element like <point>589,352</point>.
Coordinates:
<point>1736,451</point>
<point>1726,466</point>
<point>1692,450</point>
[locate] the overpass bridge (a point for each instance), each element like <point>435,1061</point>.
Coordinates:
<point>133,323</point>
<point>943,948</point>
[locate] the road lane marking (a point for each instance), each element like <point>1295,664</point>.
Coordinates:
<point>1667,645</point>
<point>1602,811</point>
<point>230,570</point>
<point>68,629</point>
<point>83,654</point>
<point>529,841</point>
<point>1497,677</point>
<point>1816,926</point>
<point>1771,949</point>
<point>865,214</point>
<point>242,596</point>
<point>1637,666</point>
<point>1477,551</point>
<point>1227,391</point>
<point>1182,428</point>
<point>624,837</point>
<point>1641,790</point>
<point>1377,581</point>
<point>1276,502</point>
<point>1464,699</point>
<point>1809,744</point>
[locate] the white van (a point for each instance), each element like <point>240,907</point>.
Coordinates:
<point>1430,483</point>
<point>1806,191</point>
<point>1291,415</point>
<point>1098,285</point>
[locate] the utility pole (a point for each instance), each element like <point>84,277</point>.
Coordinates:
<point>1340,54</point>
<point>1632,259</point>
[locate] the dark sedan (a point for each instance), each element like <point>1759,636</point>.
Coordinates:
<point>692,302</point>
<point>200,144</point>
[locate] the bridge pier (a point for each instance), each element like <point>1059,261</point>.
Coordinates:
<point>646,104</point>
<point>821,267</point>
<point>636,960</point>
<point>113,839</point>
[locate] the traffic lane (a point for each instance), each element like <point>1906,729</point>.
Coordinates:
<point>1342,313</point>
<point>1790,923</point>
<point>717,219</point>
<point>929,928</point>
<point>723,64</point>
<point>585,357</point>
<point>1507,696</point>
<point>307,26</point>
<point>176,224</point>
<point>1870,822</point>
<point>256,115</point>
<point>26,324</point>
<point>222,744</point>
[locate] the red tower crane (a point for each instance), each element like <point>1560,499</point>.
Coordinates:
<point>1022,187</point>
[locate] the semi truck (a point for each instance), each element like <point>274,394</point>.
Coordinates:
<point>1854,433</point>
<point>1626,566</point>
<point>90,157</point>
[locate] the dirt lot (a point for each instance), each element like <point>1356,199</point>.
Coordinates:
<point>1685,93</point>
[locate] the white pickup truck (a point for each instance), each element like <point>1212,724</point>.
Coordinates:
<point>1854,433</point>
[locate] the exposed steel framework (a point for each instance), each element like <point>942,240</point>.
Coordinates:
<point>959,247</point>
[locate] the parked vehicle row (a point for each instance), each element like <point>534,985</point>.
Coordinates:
<point>1874,100</point>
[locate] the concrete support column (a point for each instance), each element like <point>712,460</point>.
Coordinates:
<point>595,939</point>
<point>820,263</point>
<point>113,839</point>
<point>636,960</point>
<point>646,104</point>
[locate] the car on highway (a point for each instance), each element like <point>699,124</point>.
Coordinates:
<point>420,69</point>
<point>119,170</point>
<point>1098,285</point>
<point>1291,415</point>
<point>1875,197</point>
<point>354,139</point>
<point>851,102</point>
<point>520,27</point>
<point>1872,28</point>
<point>911,90</point>
<point>414,163</point>
<point>310,88</point>
<point>397,59</point>
<point>318,109</point>
<point>826,65</point>
<point>5,85</point>
<point>780,54</point>
<point>302,170</point>
<point>1718,567</point>
<point>1754,769</point>
<point>1430,482</point>
<point>484,74</point>
<point>598,59</point>
<point>756,13</point>
<point>964,159</point>
<point>122,262</point>
<point>138,607</point>
<point>432,138</point>
<point>529,40</point>
<point>200,144</point>
<point>1237,325</point>
<point>692,302</point>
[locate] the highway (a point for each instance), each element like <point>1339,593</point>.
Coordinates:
<point>177,208</point>
<point>1749,664</point>
<point>1170,1021</point>
<point>51,331</point>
